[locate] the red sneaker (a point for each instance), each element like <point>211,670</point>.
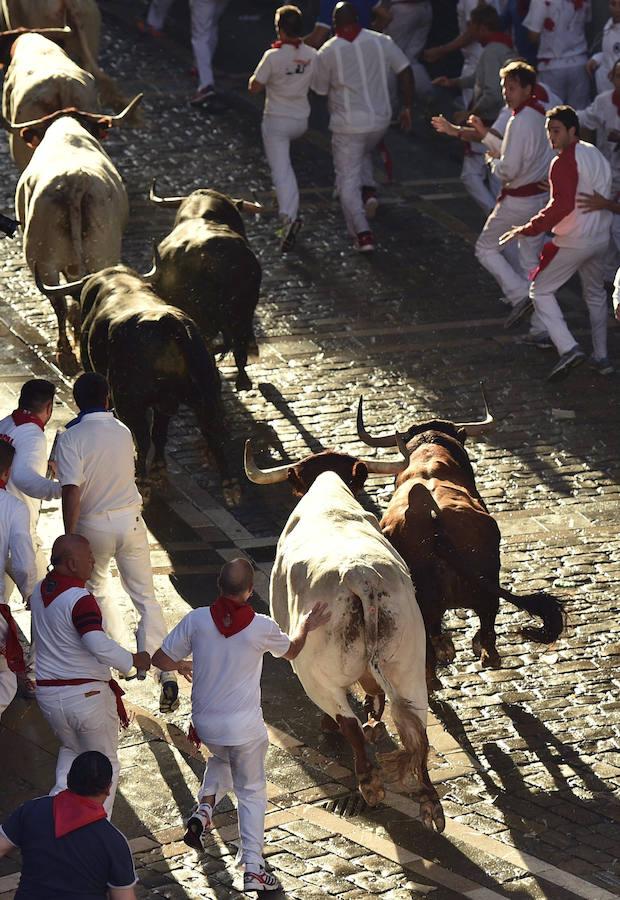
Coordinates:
<point>148,30</point>
<point>365,242</point>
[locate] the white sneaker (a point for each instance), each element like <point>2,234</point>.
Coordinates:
<point>260,881</point>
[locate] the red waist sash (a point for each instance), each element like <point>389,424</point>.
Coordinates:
<point>525,190</point>
<point>112,684</point>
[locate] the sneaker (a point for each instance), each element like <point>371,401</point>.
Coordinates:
<point>260,881</point>
<point>540,340</point>
<point>197,824</point>
<point>148,30</point>
<point>602,366</point>
<point>203,97</point>
<point>371,202</point>
<point>169,696</point>
<point>520,309</point>
<point>289,235</point>
<point>567,361</point>
<point>365,242</point>
<point>505,301</point>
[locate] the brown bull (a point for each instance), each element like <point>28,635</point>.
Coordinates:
<point>440,525</point>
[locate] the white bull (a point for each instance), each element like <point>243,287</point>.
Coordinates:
<point>41,79</point>
<point>73,207</point>
<point>82,15</point>
<point>333,550</point>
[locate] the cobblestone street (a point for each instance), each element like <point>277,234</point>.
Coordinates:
<point>526,758</point>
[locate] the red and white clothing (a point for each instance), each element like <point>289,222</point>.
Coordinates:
<point>286,72</point>
<point>609,53</point>
<point>353,72</point>
<point>97,454</point>
<point>73,647</point>
<point>579,243</point>
<point>524,161</point>
<point>409,28</point>
<point>226,710</point>
<point>16,544</point>
<point>563,48</point>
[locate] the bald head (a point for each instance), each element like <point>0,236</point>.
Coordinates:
<point>72,556</point>
<point>237,578</point>
<point>345,14</point>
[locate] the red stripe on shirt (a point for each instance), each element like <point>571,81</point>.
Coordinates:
<point>86,615</point>
<point>563,177</point>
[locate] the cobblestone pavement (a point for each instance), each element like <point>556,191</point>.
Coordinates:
<point>526,757</point>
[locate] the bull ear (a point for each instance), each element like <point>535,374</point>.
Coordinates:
<point>360,474</point>
<point>299,488</point>
<point>30,138</point>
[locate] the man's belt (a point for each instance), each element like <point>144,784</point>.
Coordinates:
<point>525,190</point>
<point>112,684</point>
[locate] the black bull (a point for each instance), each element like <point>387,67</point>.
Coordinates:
<point>207,268</point>
<point>154,358</point>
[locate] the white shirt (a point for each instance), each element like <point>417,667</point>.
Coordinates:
<point>602,116</point>
<point>97,455</point>
<point>354,75</point>
<point>28,481</point>
<point>226,674</point>
<point>562,28</point>
<point>15,541</point>
<point>471,53</point>
<point>286,72</point>
<point>526,153</point>
<point>610,47</point>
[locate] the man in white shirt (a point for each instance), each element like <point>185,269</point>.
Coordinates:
<point>227,642</point>
<point>601,64</point>
<point>559,29</point>
<point>75,691</point>
<point>580,240</point>
<point>16,543</point>
<point>100,500</point>
<point>284,73</point>
<point>352,70</point>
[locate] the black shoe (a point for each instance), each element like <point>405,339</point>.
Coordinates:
<point>567,362</point>
<point>192,836</point>
<point>289,235</point>
<point>520,309</point>
<point>169,696</point>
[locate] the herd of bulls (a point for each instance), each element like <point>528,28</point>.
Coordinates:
<point>153,336</point>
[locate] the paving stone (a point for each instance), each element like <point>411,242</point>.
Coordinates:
<point>308,830</point>
<point>293,865</point>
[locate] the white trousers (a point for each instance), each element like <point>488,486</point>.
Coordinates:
<point>123,537</point>
<point>409,28</point>
<point>589,262</point>
<point>80,723</point>
<point>158,12</point>
<point>352,155</point>
<point>513,282</point>
<point>27,643</point>
<point>8,687</point>
<point>612,256</point>
<point>479,182</point>
<point>278,132</point>
<point>242,770</point>
<point>205,18</point>
<point>571,84</point>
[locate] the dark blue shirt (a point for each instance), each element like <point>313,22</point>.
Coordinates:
<point>82,865</point>
<point>364,11</point>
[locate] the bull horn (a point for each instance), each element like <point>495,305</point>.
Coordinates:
<point>46,32</point>
<point>164,201</point>
<point>108,121</point>
<point>249,207</point>
<point>473,428</point>
<point>148,276</point>
<point>387,441</point>
<point>119,118</point>
<point>263,476</point>
<point>393,467</point>
<point>70,288</point>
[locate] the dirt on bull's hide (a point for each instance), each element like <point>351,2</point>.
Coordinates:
<point>353,623</point>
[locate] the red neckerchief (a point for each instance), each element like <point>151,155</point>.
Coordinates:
<point>54,584</point>
<point>539,93</point>
<point>533,103</point>
<point>25,417</point>
<point>348,32</point>
<point>70,812</point>
<point>578,4</point>
<point>2,485</point>
<point>13,650</point>
<point>615,99</point>
<point>548,25</point>
<point>230,618</point>
<point>497,37</point>
<point>295,42</point>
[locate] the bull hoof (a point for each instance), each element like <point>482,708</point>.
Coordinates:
<point>476,645</point>
<point>253,353</point>
<point>374,730</point>
<point>232,492</point>
<point>490,659</point>
<point>432,816</point>
<point>371,788</point>
<point>444,648</point>
<point>243,383</point>
<point>433,683</point>
<point>67,361</point>
<point>328,724</point>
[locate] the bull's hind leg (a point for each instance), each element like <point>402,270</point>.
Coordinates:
<point>483,643</point>
<point>160,438</point>
<point>65,357</point>
<point>374,705</point>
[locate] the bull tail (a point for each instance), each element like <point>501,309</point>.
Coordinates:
<point>546,606</point>
<point>364,582</point>
<point>76,212</point>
